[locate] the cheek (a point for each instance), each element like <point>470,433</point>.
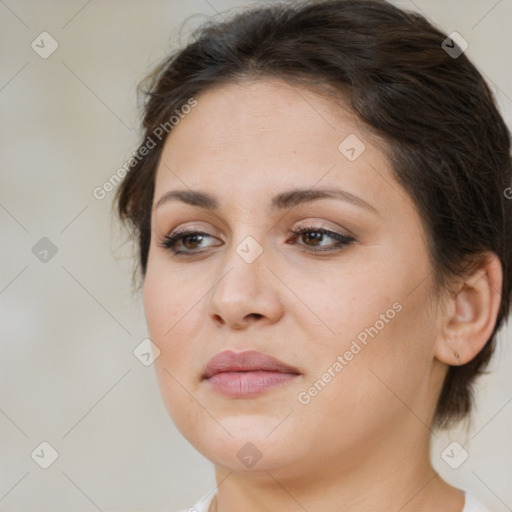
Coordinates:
<point>340,306</point>
<point>168,312</point>
<point>169,316</point>
<point>380,380</point>
<point>158,306</point>
<point>378,322</point>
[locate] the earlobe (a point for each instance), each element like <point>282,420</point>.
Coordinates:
<point>470,315</point>
<point>446,351</point>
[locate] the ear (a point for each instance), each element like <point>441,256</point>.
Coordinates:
<point>470,314</point>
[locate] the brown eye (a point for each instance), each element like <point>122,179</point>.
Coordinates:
<point>187,242</point>
<point>188,239</point>
<point>314,235</point>
<point>191,241</point>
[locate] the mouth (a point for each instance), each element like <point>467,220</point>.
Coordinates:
<point>246,374</point>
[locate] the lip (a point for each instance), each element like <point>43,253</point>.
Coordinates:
<point>246,374</point>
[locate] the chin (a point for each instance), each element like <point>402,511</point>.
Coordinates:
<point>243,442</point>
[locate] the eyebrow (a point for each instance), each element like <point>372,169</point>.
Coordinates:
<point>282,201</point>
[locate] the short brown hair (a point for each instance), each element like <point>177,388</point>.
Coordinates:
<point>448,144</point>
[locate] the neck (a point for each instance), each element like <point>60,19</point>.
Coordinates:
<point>396,475</point>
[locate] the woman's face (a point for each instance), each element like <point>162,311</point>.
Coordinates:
<point>354,318</point>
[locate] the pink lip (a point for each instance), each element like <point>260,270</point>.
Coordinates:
<point>246,374</point>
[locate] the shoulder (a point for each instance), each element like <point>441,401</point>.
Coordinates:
<point>473,505</point>
<point>204,503</point>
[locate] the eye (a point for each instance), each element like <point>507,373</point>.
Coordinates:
<point>187,238</point>
<point>187,241</point>
<point>317,234</point>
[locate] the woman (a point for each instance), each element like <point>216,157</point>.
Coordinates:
<point>320,206</point>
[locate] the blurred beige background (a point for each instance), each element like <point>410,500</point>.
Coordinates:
<point>69,321</point>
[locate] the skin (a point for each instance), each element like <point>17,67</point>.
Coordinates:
<point>362,442</point>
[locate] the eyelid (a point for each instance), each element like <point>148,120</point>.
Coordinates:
<point>196,228</point>
<point>185,229</point>
<point>318,225</point>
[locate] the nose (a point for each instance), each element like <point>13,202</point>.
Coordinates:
<point>245,294</point>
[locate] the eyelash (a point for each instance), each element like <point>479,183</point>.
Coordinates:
<point>169,242</point>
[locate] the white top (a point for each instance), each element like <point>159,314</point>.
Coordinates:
<point>471,504</point>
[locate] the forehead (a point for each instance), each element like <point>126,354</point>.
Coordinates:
<point>266,135</point>
<point>237,116</point>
